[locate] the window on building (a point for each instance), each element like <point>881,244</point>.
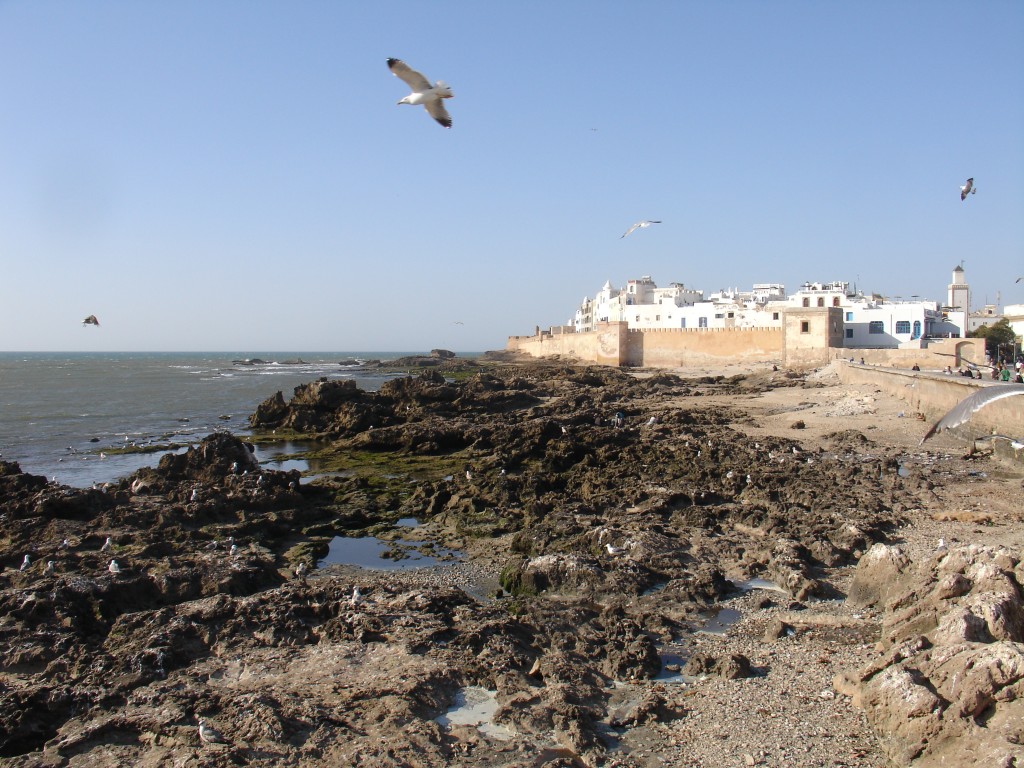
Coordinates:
<point>719,316</point>
<point>732,314</point>
<point>657,318</point>
<point>682,323</point>
<point>702,322</point>
<point>835,301</point>
<point>849,317</point>
<point>805,327</point>
<point>902,326</point>
<point>876,326</point>
<point>807,302</point>
<point>775,315</point>
<point>849,333</point>
<point>821,301</point>
<point>638,318</point>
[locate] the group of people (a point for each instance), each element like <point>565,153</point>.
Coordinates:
<point>1000,371</point>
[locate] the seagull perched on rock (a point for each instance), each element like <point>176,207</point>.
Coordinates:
<point>210,735</point>
<point>49,567</point>
<point>25,563</point>
<point>301,570</point>
<point>430,96</point>
<point>91,320</point>
<point>640,225</point>
<point>966,408</point>
<point>357,597</point>
<point>968,189</point>
<point>613,550</point>
<point>107,545</point>
<point>114,568</point>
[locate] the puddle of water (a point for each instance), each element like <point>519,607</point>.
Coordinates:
<point>367,551</point>
<point>722,620</point>
<point>749,584</point>
<point>672,656</point>
<point>407,522</point>
<point>476,706</point>
<point>287,465</point>
<point>903,471</point>
<point>655,589</point>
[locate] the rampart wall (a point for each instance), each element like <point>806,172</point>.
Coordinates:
<point>615,344</point>
<point>935,393</point>
<point>680,347</point>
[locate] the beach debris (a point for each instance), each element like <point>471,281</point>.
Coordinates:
<point>640,225</point>
<point>430,96</point>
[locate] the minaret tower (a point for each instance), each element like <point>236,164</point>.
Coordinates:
<point>959,295</point>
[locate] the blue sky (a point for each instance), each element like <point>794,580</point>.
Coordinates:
<point>237,175</point>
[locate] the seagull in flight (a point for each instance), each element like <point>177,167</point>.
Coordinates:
<point>640,225</point>
<point>91,320</point>
<point>970,405</point>
<point>968,189</point>
<point>430,96</point>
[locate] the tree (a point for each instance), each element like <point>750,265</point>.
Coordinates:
<point>998,335</point>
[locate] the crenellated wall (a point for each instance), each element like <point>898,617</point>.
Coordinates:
<point>615,344</point>
<point>679,347</point>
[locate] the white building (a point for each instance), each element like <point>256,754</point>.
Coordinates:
<point>869,322</point>
<point>877,323</point>
<point>643,305</point>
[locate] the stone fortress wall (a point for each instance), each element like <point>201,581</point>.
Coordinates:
<point>809,338</point>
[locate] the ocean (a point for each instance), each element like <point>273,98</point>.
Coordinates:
<point>61,412</point>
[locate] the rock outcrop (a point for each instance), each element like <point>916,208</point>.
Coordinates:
<point>947,687</point>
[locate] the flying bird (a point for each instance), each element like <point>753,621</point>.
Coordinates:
<point>91,320</point>
<point>430,96</point>
<point>1018,279</point>
<point>968,189</point>
<point>966,408</point>
<point>640,225</point>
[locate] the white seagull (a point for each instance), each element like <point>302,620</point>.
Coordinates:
<point>968,189</point>
<point>962,411</point>
<point>430,96</point>
<point>612,550</point>
<point>25,563</point>
<point>357,597</point>
<point>114,568</point>
<point>107,545</point>
<point>209,734</point>
<point>640,225</point>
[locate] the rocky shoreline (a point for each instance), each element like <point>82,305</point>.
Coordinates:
<point>604,519</point>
